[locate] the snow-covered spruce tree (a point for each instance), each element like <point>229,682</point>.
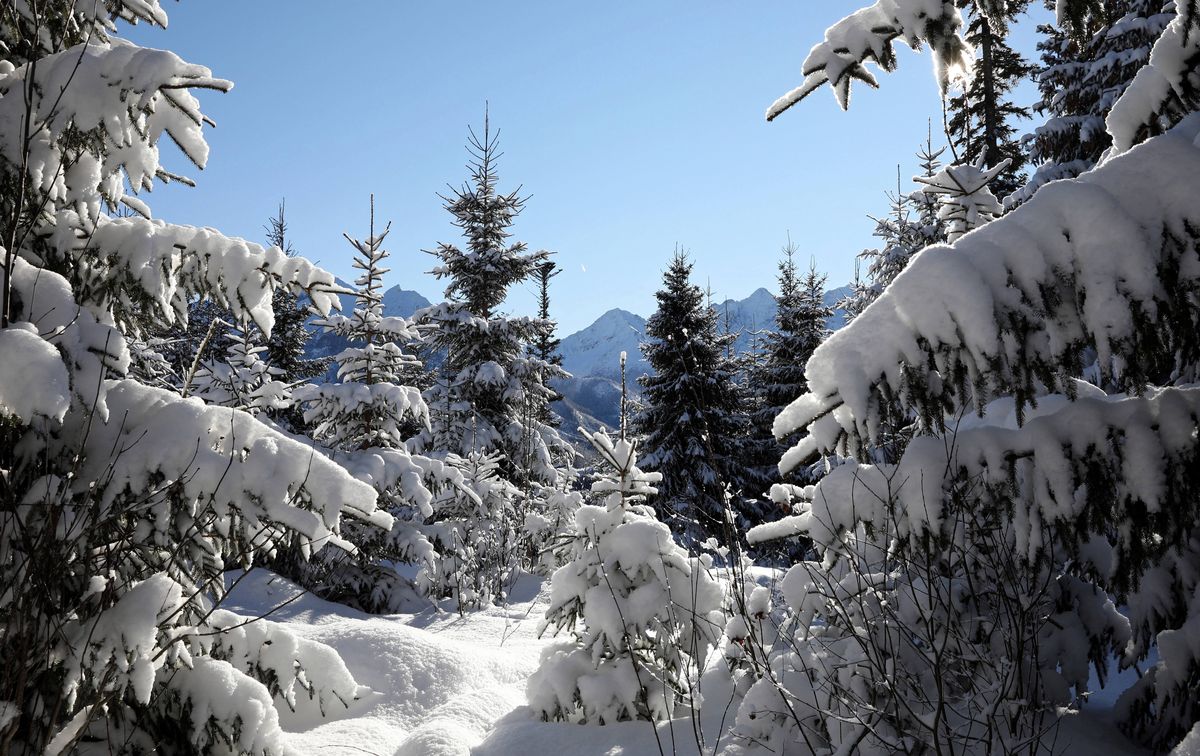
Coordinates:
<point>476,531</point>
<point>912,224</point>
<point>1080,78</point>
<point>801,323</point>
<point>983,116</point>
<point>492,392</point>
<point>491,396</point>
<point>688,423</point>
<point>122,504</point>
<point>242,378</point>
<point>965,198</point>
<point>1094,495</point>
<point>642,615</point>
<point>364,419</point>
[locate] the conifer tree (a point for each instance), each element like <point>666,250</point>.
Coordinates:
<point>366,407</point>
<point>1055,500</point>
<point>640,613</point>
<point>1082,74</point>
<point>687,424</point>
<point>801,324</point>
<point>364,419</point>
<point>122,504</point>
<point>982,124</point>
<point>491,394</point>
<point>546,342</point>
<point>286,346</point>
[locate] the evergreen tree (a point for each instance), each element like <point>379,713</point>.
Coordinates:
<point>123,505</point>
<point>688,423</point>
<point>1082,75</point>
<point>546,342</point>
<point>1032,504</point>
<point>367,407</point>
<point>491,394</point>
<point>289,338</point>
<point>801,323</point>
<point>982,124</point>
<point>641,614</point>
<point>363,420</point>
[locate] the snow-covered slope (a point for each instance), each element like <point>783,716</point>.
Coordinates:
<point>442,684</point>
<point>596,349</point>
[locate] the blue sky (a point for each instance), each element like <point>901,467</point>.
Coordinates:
<point>633,127</point>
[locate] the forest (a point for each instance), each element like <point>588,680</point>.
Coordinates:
<point>951,507</point>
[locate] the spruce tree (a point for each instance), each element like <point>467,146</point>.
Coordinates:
<point>1082,75</point>
<point>1068,514</point>
<point>546,342</point>
<point>982,124</point>
<point>641,615</point>
<point>491,394</point>
<point>367,407</point>
<point>123,505</point>
<point>687,423</point>
<point>289,338</point>
<point>801,324</point>
<point>363,419</point>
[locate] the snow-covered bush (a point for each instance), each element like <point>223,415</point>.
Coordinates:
<point>642,615</point>
<point>121,503</point>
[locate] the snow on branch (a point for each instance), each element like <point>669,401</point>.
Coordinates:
<point>1169,84</point>
<point>1140,448</point>
<point>869,35</point>
<point>167,265</point>
<point>126,96</point>
<point>252,478</point>
<point>1086,264</point>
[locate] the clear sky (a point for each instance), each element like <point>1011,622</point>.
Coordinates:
<point>632,126</point>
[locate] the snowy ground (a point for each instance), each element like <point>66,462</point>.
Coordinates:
<point>445,685</point>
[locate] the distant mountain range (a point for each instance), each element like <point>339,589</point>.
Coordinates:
<point>592,395</point>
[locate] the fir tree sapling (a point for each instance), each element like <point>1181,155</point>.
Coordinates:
<point>641,614</point>
<point>363,420</point>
